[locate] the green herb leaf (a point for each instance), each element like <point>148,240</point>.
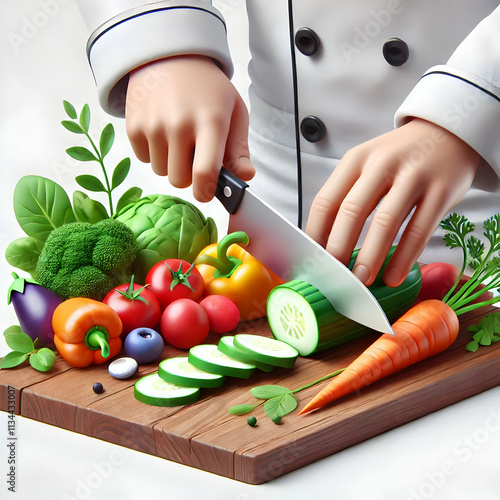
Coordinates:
<point>269,391</point>
<point>130,196</point>
<point>120,173</point>
<point>13,359</point>
<point>85,118</point>
<point>91,183</point>
<point>43,360</point>
<point>70,110</point>
<point>81,154</point>
<point>23,253</point>
<point>486,332</point>
<point>241,409</point>
<point>19,341</point>
<point>476,251</point>
<point>472,346</point>
<point>72,127</point>
<point>12,329</point>
<point>458,225</point>
<point>492,230</point>
<point>88,210</point>
<point>40,206</point>
<point>106,140</point>
<point>280,406</point>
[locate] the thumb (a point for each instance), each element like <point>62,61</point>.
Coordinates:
<point>237,154</point>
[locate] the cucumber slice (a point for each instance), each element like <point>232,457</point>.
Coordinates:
<point>207,357</point>
<point>266,350</point>
<point>153,390</point>
<point>226,345</point>
<point>300,315</point>
<point>180,371</point>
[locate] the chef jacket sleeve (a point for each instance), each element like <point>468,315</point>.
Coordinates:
<point>126,34</point>
<point>463,96</point>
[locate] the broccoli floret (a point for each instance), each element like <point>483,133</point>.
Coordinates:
<point>80,259</point>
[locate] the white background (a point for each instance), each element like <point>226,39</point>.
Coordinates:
<point>449,454</point>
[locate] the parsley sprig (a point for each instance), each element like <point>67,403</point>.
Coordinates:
<point>485,262</point>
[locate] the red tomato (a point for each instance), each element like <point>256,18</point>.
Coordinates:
<point>437,279</point>
<point>136,308</point>
<point>222,312</point>
<point>173,279</point>
<point>184,323</point>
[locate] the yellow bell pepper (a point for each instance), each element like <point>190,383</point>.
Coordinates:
<point>229,270</point>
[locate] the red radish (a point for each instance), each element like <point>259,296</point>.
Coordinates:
<point>437,279</point>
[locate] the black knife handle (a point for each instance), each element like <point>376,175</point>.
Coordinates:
<point>230,190</point>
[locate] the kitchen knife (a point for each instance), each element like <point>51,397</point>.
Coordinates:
<point>292,254</point>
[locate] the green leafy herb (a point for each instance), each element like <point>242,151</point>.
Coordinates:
<point>277,400</point>
<point>23,348</point>
<point>97,152</point>
<point>484,261</point>
<point>486,332</point>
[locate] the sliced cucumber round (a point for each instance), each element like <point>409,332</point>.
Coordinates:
<point>153,390</point>
<point>207,357</point>
<point>300,315</point>
<point>226,345</point>
<point>266,350</point>
<point>180,371</point>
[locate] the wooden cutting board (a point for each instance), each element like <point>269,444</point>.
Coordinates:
<point>205,436</point>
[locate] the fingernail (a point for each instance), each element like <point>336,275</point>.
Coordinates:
<point>392,276</point>
<point>362,273</point>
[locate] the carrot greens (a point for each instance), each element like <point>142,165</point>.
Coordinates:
<point>484,261</point>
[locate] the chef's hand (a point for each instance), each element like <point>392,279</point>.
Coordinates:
<point>185,117</point>
<point>418,165</point>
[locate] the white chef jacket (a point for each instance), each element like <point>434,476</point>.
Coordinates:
<point>328,75</point>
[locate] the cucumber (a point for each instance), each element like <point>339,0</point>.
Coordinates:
<point>207,357</point>
<point>267,350</point>
<point>180,371</point>
<point>153,390</point>
<point>226,345</point>
<point>299,314</point>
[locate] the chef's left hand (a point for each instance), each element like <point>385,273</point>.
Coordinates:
<point>417,165</point>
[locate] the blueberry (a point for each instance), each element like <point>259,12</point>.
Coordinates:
<point>98,388</point>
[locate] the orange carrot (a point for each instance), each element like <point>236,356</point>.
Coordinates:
<point>431,326</point>
<point>426,329</point>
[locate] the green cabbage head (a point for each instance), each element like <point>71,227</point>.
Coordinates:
<point>166,227</point>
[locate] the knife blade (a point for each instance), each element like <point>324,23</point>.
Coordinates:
<point>292,254</point>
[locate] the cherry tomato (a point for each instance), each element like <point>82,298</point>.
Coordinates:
<point>173,279</point>
<point>136,305</point>
<point>184,324</point>
<point>222,312</point>
<point>437,279</point>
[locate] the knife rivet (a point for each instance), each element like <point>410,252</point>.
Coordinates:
<point>227,192</point>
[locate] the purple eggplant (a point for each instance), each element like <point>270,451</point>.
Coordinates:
<point>34,306</point>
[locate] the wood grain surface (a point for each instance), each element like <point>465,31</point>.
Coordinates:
<point>204,435</point>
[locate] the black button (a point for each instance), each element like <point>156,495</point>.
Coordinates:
<point>312,129</point>
<point>395,51</point>
<point>307,41</point>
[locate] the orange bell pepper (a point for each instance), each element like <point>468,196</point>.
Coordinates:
<point>86,332</point>
<point>229,270</point>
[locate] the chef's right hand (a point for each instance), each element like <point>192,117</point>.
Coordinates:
<point>185,117</point>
